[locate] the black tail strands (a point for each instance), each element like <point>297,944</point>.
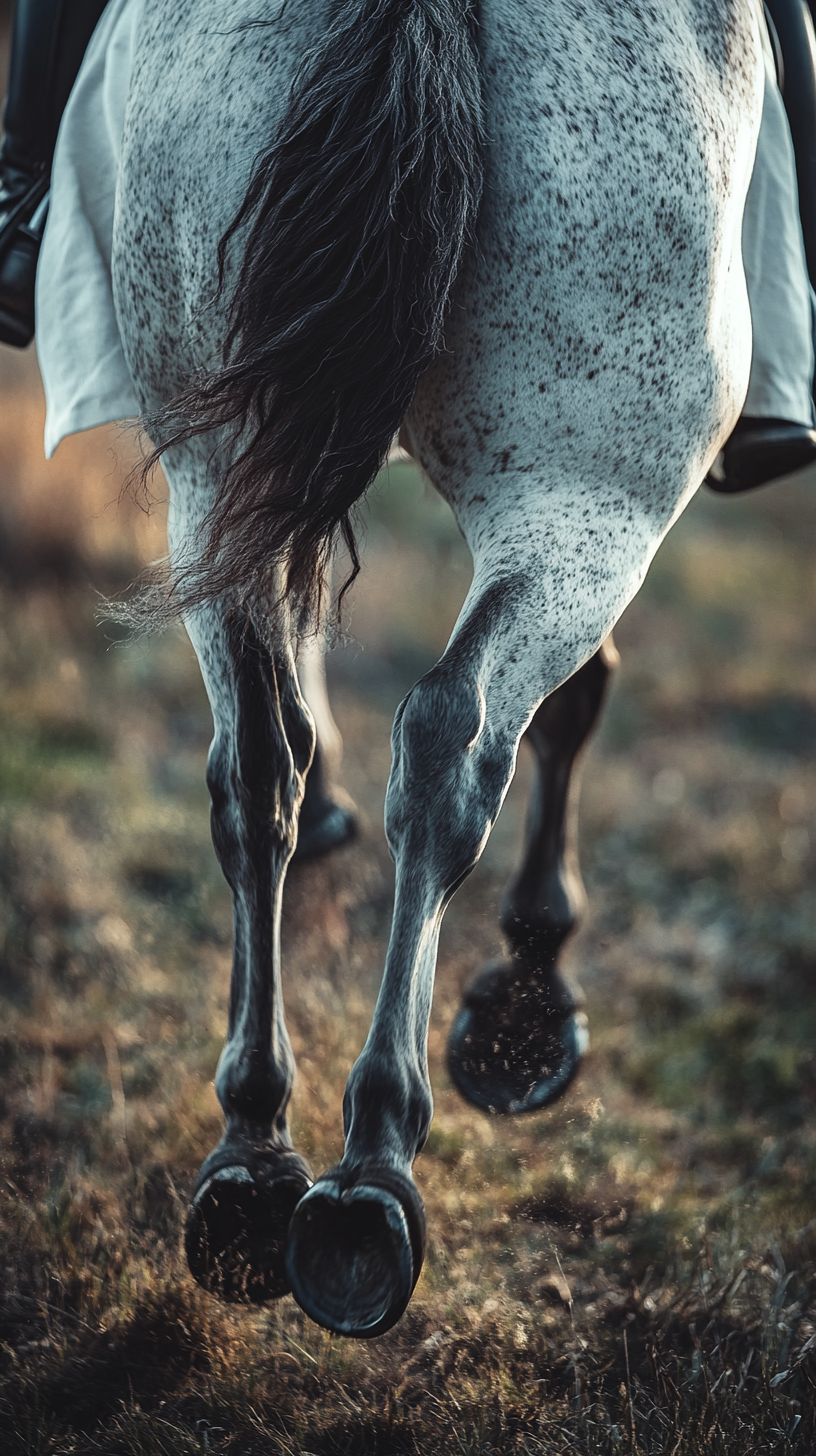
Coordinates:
<point>357,217</point>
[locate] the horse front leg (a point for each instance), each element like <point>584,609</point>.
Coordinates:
<point>249,1186</point>
<point>520,1035</point>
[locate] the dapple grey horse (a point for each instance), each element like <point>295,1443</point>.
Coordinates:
<point>513,232</point>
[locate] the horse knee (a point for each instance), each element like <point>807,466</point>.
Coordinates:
<point>449,773</point>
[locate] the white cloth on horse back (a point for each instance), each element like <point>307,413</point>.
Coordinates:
<point>86,378</point>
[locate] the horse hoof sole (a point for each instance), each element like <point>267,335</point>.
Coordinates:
<point>356,1245</point>
<point>512,1076</point>
<point>237,1226</point>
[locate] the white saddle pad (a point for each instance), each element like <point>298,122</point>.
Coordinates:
<point>83,368</point>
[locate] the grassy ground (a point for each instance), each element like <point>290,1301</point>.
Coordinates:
<point>632,1271</point>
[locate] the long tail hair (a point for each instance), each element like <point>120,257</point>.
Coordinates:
<point>355,220</point>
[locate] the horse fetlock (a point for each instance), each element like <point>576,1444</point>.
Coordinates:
<point>539,917</point>
<point>254,1087</point>
<point>387,1110</point>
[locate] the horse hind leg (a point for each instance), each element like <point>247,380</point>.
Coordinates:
<point>551,577</point>
<point>248,1187</point>
<point>328,817</point>
<point>356,1241</point>
<point>518,1040</point>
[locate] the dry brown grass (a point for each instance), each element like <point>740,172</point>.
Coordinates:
<point>633,1271</point>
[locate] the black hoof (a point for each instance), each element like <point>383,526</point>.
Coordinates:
<point>336,826</point>
<point>238,1220</point>
<point>356,1245</point>
<point>517,1042</point>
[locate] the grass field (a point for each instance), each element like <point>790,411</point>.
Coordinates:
<point>630,1272</point>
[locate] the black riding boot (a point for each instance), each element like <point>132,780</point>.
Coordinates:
<point>49,40</point>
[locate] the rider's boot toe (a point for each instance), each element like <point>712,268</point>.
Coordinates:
<point>762,450</point>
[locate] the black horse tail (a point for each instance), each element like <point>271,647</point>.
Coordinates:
<point>357,217</point>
